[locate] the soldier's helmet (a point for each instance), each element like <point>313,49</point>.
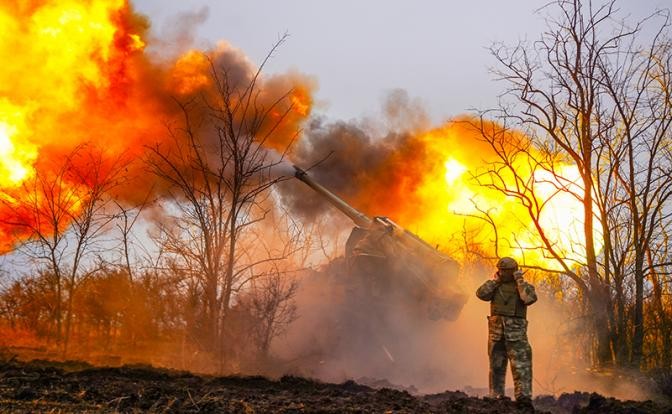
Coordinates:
<point>507,263</point>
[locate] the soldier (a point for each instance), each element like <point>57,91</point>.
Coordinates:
<point>509,296</point>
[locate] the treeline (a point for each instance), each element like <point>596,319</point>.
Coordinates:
<point>152,318</point>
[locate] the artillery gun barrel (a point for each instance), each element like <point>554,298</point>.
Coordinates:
<point>360,219</point>
<point>432,272</point>
<point>408,239</point>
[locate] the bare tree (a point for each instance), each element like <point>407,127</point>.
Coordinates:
<point>65,213</point>
<point>271,307</point>
<point>219,174</point>
<point>585,95</point>
<point>638,81</point>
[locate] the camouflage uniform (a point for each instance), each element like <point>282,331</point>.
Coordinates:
<point>507,339</point>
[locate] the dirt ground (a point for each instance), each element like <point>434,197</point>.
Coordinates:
<point>41,386</point>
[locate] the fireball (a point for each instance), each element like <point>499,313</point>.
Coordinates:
<point>451,208</point>
<point>75,75</point>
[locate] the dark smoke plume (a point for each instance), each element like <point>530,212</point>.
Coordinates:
<point>360,162</point>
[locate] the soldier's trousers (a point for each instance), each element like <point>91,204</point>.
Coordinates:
<point>519,353</point>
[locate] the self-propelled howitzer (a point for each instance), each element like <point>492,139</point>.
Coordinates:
<point>397,261</point>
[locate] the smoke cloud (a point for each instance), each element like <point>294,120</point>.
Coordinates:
<point>366,163</point>
<point>341,335</point>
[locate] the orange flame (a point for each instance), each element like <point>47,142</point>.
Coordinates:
<point>75,72</point>
<point>430,189</point>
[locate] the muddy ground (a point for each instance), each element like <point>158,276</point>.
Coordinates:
<point>41,386</point>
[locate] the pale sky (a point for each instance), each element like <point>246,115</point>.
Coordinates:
<point>359,50</point>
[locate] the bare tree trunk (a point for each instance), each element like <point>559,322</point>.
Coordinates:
<point>68,318</point>
<point>599,293</point>
<point>663,317</point>
<point>59,312</point>
<point>621,348</point>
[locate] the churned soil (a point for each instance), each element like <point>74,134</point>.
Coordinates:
<point>41,386</point>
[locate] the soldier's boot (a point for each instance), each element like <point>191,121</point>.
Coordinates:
<point>520,354</point>
<point>498,363</point>
<point>524,404</point>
